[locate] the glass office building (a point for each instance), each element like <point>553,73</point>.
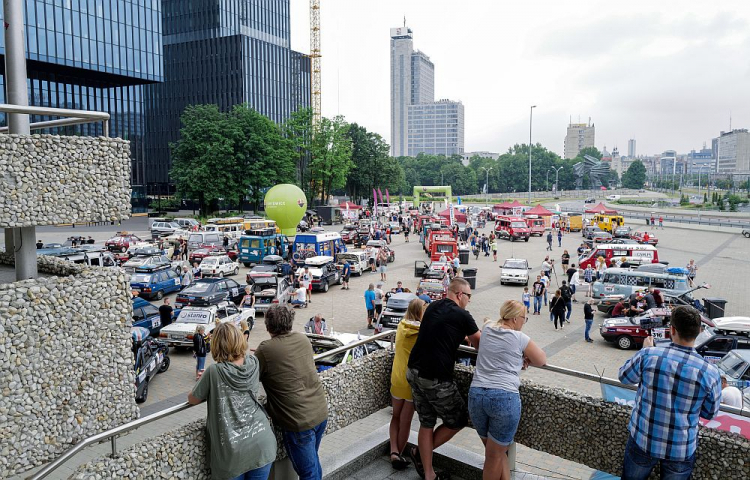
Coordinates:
<point>223,52</point>
<point>436,128</point>
<point>93,55</point>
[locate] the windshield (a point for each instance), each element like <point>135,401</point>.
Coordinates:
<point>518,225</point>
<point>444,248</point>
<point>732,364</point>
<point>197,288</point>
<point>519,265</point>
<point>194,316</point>
<point>264,282</point>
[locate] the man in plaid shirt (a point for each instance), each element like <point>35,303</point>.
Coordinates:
<point>676,386</point>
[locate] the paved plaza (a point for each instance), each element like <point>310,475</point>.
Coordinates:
<point>723,258</point>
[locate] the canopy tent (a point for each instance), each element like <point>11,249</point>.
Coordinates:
<point>502,206</point>
<point>601,208</point>
<point>516,204</point>
<point>460,217</point>
<point>539,210</point>
<point>350,206</point>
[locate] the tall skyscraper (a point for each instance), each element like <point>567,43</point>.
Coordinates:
<point>223,52</point>
<point>418,123</point>
<point>579,136</point>
<point>631,148</point>
<point>93,56</point>
<point>734,152</point>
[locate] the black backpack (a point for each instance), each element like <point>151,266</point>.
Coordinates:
<point>565,292</point>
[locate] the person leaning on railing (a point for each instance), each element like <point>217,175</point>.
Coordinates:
<point>241,442</point>
<point>494,400</point>
<point>296,401</point>
<point>676,386</point>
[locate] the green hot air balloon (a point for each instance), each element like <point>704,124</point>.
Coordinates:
<point>286,204</point>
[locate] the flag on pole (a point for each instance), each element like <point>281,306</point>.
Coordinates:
<point>381,195</point>
<point>375,202</point>
<point>387,197</point>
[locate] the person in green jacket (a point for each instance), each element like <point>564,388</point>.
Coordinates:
<point>241,443</point>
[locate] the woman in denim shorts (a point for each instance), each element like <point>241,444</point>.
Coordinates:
<point>494,401</point>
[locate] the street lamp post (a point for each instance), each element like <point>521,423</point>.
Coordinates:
<point>531,117</point>
<point>487,183</point>
<point>557,172</point>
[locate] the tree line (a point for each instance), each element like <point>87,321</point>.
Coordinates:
<point>239,154</point>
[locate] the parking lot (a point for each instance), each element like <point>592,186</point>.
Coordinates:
<point>723,260</point>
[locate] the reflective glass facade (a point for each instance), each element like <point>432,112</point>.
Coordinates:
<point>223,52</point>
<point>93,55</point>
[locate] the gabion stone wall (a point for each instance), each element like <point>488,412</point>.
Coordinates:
<point>354,391</point>
<point>66,367</point>
<point>50,179</point>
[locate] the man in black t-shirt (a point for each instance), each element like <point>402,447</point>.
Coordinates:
<point>537,290</point>
<point>165,313</point>
<point>445,324</point>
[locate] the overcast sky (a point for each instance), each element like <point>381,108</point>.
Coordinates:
<point>667,73</point>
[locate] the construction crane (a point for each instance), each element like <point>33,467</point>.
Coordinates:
<point>315,59</point>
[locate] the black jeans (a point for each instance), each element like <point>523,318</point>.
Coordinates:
<point>559,316</point>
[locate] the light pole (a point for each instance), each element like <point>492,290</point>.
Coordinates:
<point>531,117</point>
<point>557,171</point>
<point>487,183</point>
<point>700,169</point>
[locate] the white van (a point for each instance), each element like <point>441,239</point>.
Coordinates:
<point>623,281</point>
<point>613,197</point>
<point>198,240</point>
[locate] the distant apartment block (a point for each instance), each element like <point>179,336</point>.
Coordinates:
<point>467,156</point>
<point>579,136</point>
<point>418,123</point>
<point>734,152</point>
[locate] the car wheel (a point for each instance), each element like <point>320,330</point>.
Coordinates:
<point>325,287</point>
<point>159,295</point>
<point>502,283</point>
<point>746,234</point>
<point>221,274</point>
<point>340,280</point>
<point>250,323</point>
<point>625,342</point>
<point>236,271</point>
<point>526,239</point>
<point>123,249</point>
<point>164,365</point>
<point>246,264</point>
<point>144,394</point>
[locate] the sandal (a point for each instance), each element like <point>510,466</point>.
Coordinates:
<point>417,461</point>
<point>399,463</point>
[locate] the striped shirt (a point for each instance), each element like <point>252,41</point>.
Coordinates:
<point>676,388</point>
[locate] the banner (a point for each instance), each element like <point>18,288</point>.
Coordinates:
<point>453,218</point>
<point>374,203</point>
<point>727,422</point>
<point>387,197</point>
<point>381,195</point>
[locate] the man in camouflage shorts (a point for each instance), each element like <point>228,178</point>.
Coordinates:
<point>444,326</point>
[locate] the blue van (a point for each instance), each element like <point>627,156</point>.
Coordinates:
<point>147,316</point>
<point>322,244</point>
<point>256,244</point>
<point>155,282</point>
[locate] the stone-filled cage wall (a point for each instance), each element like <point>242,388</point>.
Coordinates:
<point>66,367</point>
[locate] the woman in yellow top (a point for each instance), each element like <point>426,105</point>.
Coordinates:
<point>403,406</point>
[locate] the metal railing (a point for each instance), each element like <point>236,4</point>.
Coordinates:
<point>113,433</point>
<point>74,117</point>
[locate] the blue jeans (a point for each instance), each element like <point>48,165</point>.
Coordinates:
<point>638,465</point>
<point>200,363</point>
<point>569,306</point>
<point>588,328</point>
<point>537,304</point>
<point>302,448</point>
<point>260,473</point>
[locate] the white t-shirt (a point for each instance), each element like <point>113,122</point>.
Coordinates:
<point>575,278</point>
<point>500,359</point>
<point>301,294</point>
<point>378,297</point>
<point>305,279</point>
<point>546,266</point>
<point>731,396</point>
<point>545,281</point>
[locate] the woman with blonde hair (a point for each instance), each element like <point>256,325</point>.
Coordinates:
<point>494,400</point>
<point>401,398</point>
<point>241,443</point>
<point>601,265</point>
<point>245,329</point>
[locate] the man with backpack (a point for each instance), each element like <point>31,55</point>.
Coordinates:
<point>567,294</point>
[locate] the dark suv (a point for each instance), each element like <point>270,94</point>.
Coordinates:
<point>395,309</point>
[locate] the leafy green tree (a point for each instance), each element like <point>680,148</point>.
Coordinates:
<point>591,151</point>
<point>373,167</point>
<point>299,132</point>
<point>263,157</point>
<point>331,158</point>
<point>203,158</point>
<point>635,176</point>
